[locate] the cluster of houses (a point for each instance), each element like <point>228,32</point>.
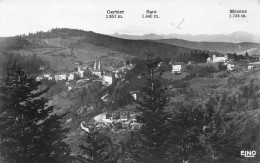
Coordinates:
<point>126,117</point>
<point>109,76</point>
<point>179,67</point>
<point>62,76</point>
<point>106,77</point>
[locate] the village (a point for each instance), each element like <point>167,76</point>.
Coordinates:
<point>215,60</point>
<point>84,74</point>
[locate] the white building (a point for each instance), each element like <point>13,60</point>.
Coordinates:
<point>60,77</point>
<point>103,118</point>
<point>71,76</point>
<point>250,67</point>
<point>98,73</point>
<point>120,75</point>
<point>47,76</point>
<point>134,94</point>
<point>217,58</point>
<point>178,67</point>
<point>230,66</point>
<point>108,79</point>
<point>39,78</point>
<point>80,72</point>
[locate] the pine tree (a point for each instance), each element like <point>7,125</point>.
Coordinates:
<point>96,147</point>
<point>121,95</point>
<point>186,126</point>
<point>148,144</point>
<point>25,128</point>
<point>231,131</point>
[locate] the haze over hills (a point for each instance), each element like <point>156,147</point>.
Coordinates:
<point>238,42</point>
<point>235,37</point>
<point>223,47</point>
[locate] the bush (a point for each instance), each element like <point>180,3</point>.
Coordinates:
<point>200,71</point>
<point>224,75</point>
<point>181,84</point>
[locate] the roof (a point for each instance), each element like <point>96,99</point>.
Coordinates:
<point>216,54</point>
<point>178,63</point>
<point>255,55</point>
<point>132,92</point>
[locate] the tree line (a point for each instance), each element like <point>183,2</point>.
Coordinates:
<point>29,63</point>
<point>240,57</point>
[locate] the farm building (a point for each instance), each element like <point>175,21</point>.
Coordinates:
<point>109,79</point>
<point>217,58</point>
<point>250,67</point>
<point>71,76</point>
<point>61,77</point>
<point>178,67</point>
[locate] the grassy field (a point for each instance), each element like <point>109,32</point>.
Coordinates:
<point>58,53</point>
<point>62,103</point>
<point>172,76</point>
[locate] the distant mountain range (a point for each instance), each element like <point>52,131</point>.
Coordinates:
<point>223,47</point>
<point>236,37</point>
<point>239,42</point>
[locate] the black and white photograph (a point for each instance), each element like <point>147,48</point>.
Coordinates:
<point>129,81</point>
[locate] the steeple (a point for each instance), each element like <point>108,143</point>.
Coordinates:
<point>95,65</point>
<point>99,67</point>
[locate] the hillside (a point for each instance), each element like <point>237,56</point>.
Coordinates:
<point>65,54</point>
<point>251,51</point>
<point>58,43</point>
<point>135,47</point>
<point>132,47</point>
<point>222,47</point>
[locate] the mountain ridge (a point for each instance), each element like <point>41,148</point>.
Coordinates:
<point>222,47</point>
<point>235,37</point>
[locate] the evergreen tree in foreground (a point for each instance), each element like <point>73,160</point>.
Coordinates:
<point>96,146</point>
<point>148,144</point>
<point>28,133</point>
<point>186,134</point>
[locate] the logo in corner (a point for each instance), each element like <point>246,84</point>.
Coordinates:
<point>248,153</point>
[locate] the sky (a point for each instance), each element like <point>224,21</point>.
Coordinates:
<point>199,16</point>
